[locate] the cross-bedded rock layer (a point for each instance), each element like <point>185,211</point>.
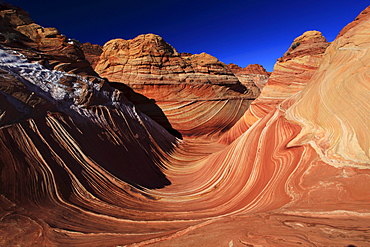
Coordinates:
<point>82,166</point>
<point>251,76</point>
<point>291,74</point>
<point>197,93</point>
<point>148,59</point>
<point>45,45</point>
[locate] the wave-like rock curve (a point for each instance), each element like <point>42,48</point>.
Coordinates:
<point>82,166</point>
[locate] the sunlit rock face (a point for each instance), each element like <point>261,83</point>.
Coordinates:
<point>256,69</point>
<point>337,125</point>
<point>148,59</point>
<point>291,74</point>
<point>198,94</point>
<point>82,166</point>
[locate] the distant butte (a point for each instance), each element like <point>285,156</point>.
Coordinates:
<point>160,148</point>
<point>250,69</point>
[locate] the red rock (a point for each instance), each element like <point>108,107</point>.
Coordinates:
<point>82,166</point>
<point>291,74</point>
<point>197,93</point>
<point>253,77</point>
<point>148,59</point>
<point>92,52</point>
<point>250,69</point>
<point>362,17</point>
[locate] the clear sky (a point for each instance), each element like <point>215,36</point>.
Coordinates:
<point>240,32</point>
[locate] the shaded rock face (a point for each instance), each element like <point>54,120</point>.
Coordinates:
<point>85,109</point>
<point>92,52</point>
<point>66,121</point>
<point>251,76</point>
<point>81,166</point>
<point>197,93</point>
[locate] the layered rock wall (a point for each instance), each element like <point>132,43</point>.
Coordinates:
<point>250,69</point>
<point>148,59</point>
<point>291,74</point>
<point>44,45</point>
<point>251,76</point>
<point>197,93</point>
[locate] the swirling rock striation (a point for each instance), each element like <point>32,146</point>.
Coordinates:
<point>291,74</point>
<point>82,166</point>
<point>45,45</point>
<point>334,123</point>
<point>197,93</point>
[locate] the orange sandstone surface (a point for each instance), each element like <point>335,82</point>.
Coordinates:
<point>198,94</point>
<point>291,74</point>
<point>82,165</point>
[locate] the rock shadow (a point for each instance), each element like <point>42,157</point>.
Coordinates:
<point>146,106</point>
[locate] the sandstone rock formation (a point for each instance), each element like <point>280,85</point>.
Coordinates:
<point>197,93</point>
<point>291,74</point>
<point>251,76</point>
<point>82,166</point>
<point>92,52</point>
<point>45,45</point>
<point>250,69</point>
<point>337,125</point>
<point>148,59</point>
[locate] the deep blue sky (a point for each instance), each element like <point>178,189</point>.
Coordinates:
<point>240,32</point>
